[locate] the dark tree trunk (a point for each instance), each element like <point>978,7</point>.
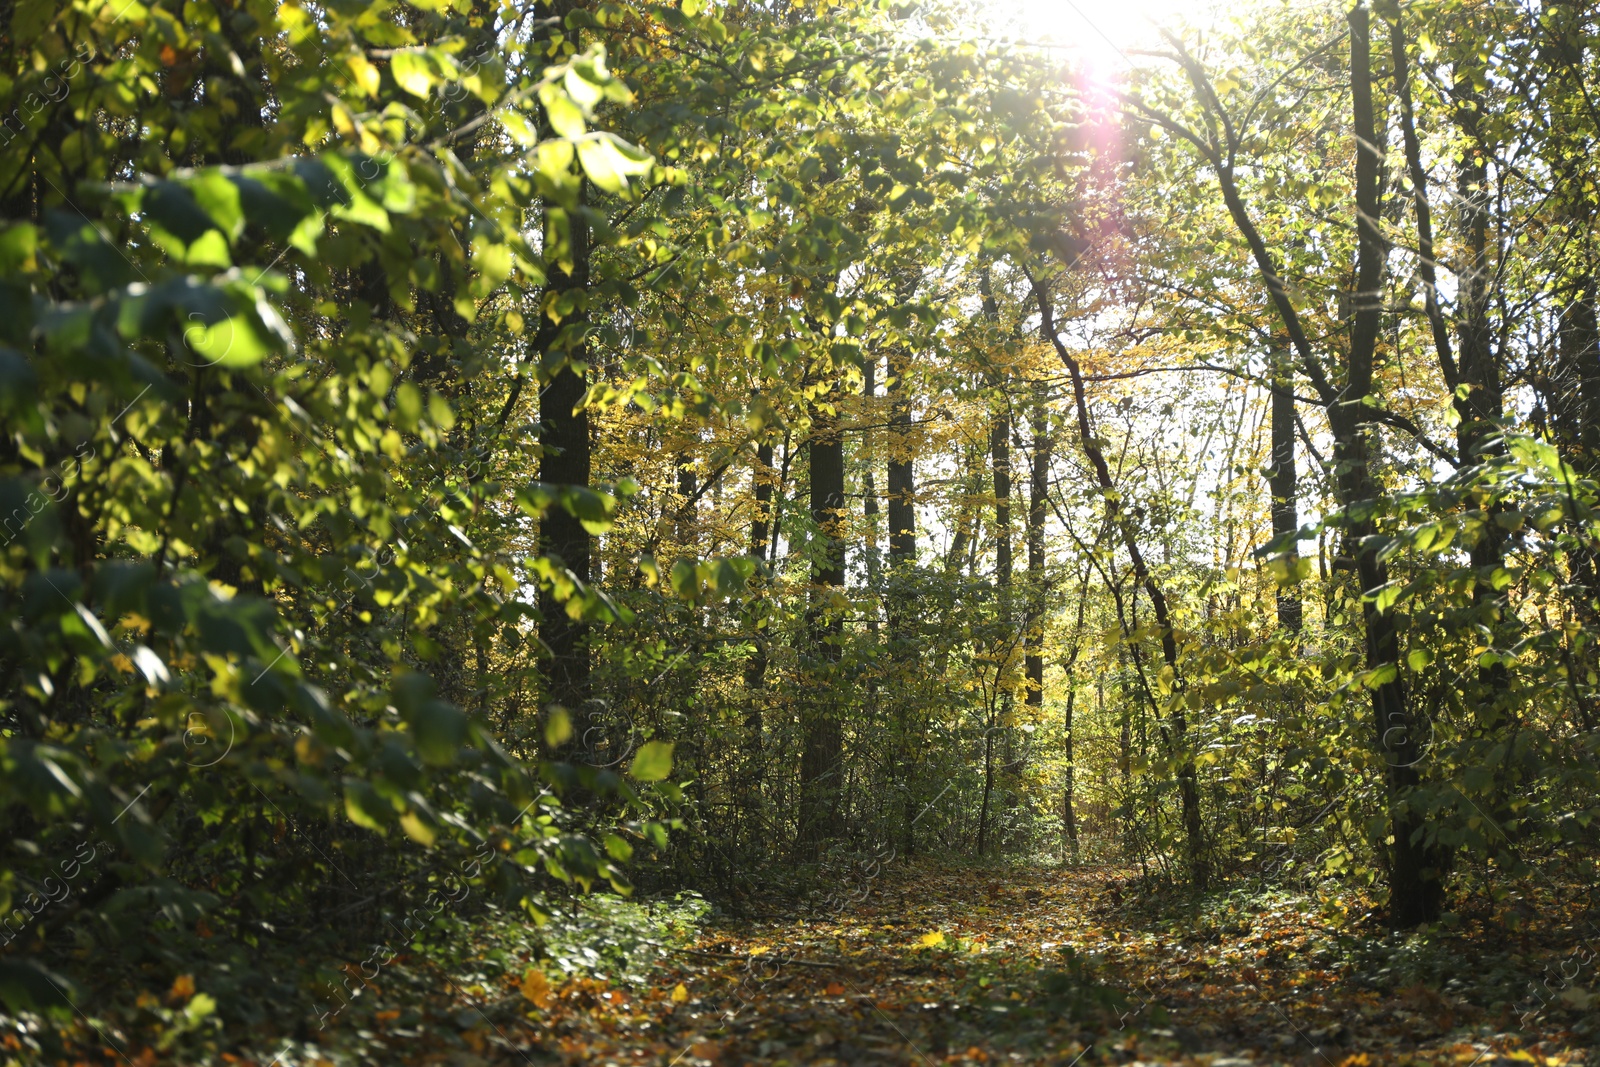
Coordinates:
<point>902,557</point>
<point>822,752</point>
<point>1004,565</point>
<point>1281,481</point>
<point>564,439</point>
<point>1069,814</point>
<point>902,475</point>
<point>1416,886</point>
<point>688,509</point>
<point>755,670</point>
<point>760,533</point>
<point>1038,487</point>
<point>869,489</point>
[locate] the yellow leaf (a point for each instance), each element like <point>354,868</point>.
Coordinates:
<point>416,829</point>
<point>930,940</point>
<point>536,987</point>
<point>182,987</point>
<point>680,993</point>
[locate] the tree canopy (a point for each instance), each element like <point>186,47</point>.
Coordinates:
<point>466,456</point>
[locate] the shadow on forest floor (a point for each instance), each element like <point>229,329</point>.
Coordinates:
<point>924,964</point>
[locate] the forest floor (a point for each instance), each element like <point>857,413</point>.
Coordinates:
<point>919,964</point>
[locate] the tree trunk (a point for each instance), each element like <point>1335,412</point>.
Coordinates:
<point>1005,725</point>
<point>902,475</point>
<point>1416,888</point>
<point>869,488</point>
<point>565,460</point>
<point>1038,486</point>
<point>822,751</point>
<point>755,670</point>
<point>902,557</point>
<point>1069,815</point>
<point>1281,479</point>
<point>689,500</point>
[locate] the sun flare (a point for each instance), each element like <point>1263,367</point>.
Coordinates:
<point>1102,33</point>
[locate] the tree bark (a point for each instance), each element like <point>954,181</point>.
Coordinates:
<point>902,474</point>
<point>565,460</point>
<point>902,557</point>
<point>1281,483</point>
<point>822,751</point>
<point>1416,887</point>
<point>869,489</point>
<point>1038,487</point>
<point>755,669</point>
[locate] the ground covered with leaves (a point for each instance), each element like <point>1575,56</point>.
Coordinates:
<point>920,964</point>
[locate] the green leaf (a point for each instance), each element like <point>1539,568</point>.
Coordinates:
<point>17,246</point>
<point>1380,676</point>
<point>521,130</point>
<point>408,406</point>
<point>234,342</point>
<point>610,161</point>
<point>593,509</point>
<point>1386,595</point>
<point>439,412</point>
<point>417,828</point>
<point>439,730</point>
<point>557,726</point>
<point>364,806</point>
<point>566,118</point>
<point>412,72</point>
<point>493,262</point>
<point>219,197</point>
<point>652,762</point>
<point>29,986</point>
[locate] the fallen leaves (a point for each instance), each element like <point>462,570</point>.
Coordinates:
<point>936,966</point>
<point>536,988</point>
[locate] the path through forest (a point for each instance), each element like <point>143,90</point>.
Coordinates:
<point>934,965</point>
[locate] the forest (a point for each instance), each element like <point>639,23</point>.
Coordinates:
<point>704,532</point>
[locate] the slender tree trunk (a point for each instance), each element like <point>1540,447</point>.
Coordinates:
<point>822,751</point>
<point>1004,564</point>
<point>1281,482</point>
<point>902,557</point>
<point>1069,810</point>
<point>1574,389</point>
<point>1038,487</point>
<point>869,489</point>
<point>1416,876</point>
<point>902,474</point>
<point>988,783</point>
<point>755,670</point>
<point>688,509</point>
<point>971,485</point>
<point>1069,815</point>
<point>565,460</point>
<point>1481,409</point>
